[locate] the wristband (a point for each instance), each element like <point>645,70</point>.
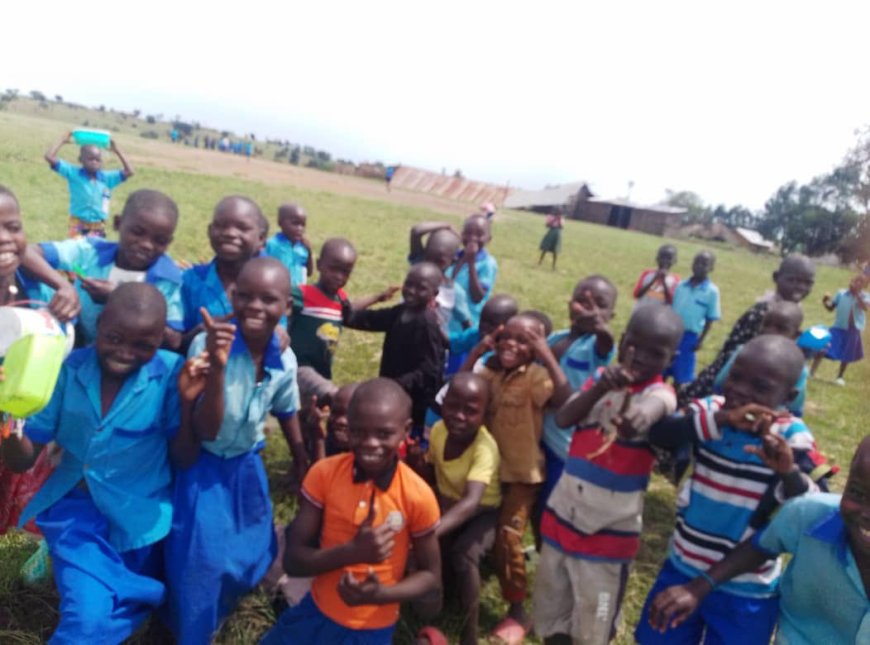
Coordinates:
<point>706,576</point>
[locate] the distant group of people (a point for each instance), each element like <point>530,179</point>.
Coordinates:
<point>482,421</point>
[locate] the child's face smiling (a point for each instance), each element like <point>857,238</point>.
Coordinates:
<point>260,299</point>
<point>91,159</point>
<point>143,237</point>
<point>795,282</point>
<point>475,230</point>
<point>463,410</point>
<point>293,225</point>
<point>420,289</point>
<point>12,239</point>
<point>513,346</point>
<point>755,379</point>
<point>855,503</point>
<point>234,232</point>
<point>337,424</point>
<point>126,341</point>
<point>377,429</point>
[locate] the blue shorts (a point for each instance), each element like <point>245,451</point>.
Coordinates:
<point>305,623</point>
<point>722,619</point>
<point>682,369</point>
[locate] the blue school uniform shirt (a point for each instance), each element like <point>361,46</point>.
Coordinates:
<point>202,287</point>
<point>89,196</point>
<point>293,255</point>
<point>579,362</point>
<point>697,304</point>
<point>246,402</point>
<point>122,456</point>
<point>95,258</point>
<point>32,289</point>
<point>796,406</point>
<point>846,303</point>
<point>487,270</point>
<point>822,596</point>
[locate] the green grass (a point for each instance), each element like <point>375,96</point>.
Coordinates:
<point>379,230</point>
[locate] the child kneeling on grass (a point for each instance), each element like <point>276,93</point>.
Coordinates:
<point>360,514</point>
<point>108,504</point>
<point>592,521</point>
<point>462,465</point>
<point>748,457</point>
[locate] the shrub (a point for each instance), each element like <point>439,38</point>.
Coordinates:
<point>36,95</point>
<point>151,119</point>
<point>149,134</point>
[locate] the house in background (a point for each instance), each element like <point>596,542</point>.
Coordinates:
<point>578,202</point>
<point>752,240</point>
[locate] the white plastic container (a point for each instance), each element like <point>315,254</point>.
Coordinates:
<point>17,322</point>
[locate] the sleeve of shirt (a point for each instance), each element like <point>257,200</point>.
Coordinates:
<point>784,531</point>
<point>285,403</point>
<point>714,310</point>
<point>316,483</point>
<point>42,427</point>
<point>113,178</point>
<point>837,297</point>
<point>542,387</point>
<point>484,463</point>
<point>373,319</point>
<point>190,313</point>
<point>174,307</point>
<point>424,513</point>
<point>487,274</point>
<point>464,341</point>
<point>664,393</point>
<point>64,169</point>
<point>271,248</point>
<point>69,255</point>
<point>171,417</point>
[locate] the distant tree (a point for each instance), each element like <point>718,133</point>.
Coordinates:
<point>149,134</point>
<point>136,113</point>
<point>457,174</point>
<point>102,108</point>
<point>151,119</point>
<point>11,94</point>
<point>184,128</point>
<point>692,202</point>
<point>58,98</point>
<point>295,154</point>
<point>308,151</point>
<point>323,156</point>
<point>36,95</point>
<point>734,216</point>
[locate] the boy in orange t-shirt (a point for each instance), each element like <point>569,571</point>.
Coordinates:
<point>361,512</point>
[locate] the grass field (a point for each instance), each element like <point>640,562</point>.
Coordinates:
<point>379,229</point>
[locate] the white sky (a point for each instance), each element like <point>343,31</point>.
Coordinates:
<point>729,99</point>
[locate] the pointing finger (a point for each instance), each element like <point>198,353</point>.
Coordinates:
<point>207,320</point>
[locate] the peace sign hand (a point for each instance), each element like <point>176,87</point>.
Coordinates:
<point>219,338</point>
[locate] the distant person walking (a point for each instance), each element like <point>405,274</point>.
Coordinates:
<point>388,175</point>
<point>487,209</point>
<point>90,187</point>
<point>552,241</point>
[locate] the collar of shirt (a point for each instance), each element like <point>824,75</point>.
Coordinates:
<point>832,530</point>
<point>272,355</point>
<point>692,285</point>
<point>283,238</point>
<point>89,375</point>
<point>97,176</point>
<point>481,254</point>
<point>636,388</point>
<point>162,269</point>
<point>382,481</point>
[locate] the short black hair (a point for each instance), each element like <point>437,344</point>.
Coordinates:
<point>380,389</point>
<point>264,264</point>
<point>334,244</point>
<point>262,222</point>
<point>8,193</point>
<point>136,299</point>
<point>541,317</point>
<point>147,199</point>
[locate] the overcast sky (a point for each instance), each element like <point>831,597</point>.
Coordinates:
<point>729,99</point>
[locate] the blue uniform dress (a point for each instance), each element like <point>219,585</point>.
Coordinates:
<point>88,196</point>
<point>696,304</point>
<point>293,255</point>
<point>95,258</point>
<point>107,504</point>
<point>222,540</point>
<point>487,270</point>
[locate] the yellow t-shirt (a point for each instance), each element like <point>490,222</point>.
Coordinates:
<point>479,463</point>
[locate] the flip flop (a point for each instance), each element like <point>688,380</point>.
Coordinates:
<point>432,635</point>
<point>509,631</point>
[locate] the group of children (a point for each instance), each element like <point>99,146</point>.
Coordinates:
<point>481,423</point>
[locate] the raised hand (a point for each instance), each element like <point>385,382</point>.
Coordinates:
<point>191,378</point>
<point>354,592</point>
<point>312,417</point>
<point>774,451</point>
<point>373,544</point>
<point>616,377</point>
<point>388,293</point>
<point>219,338</point>
<point>65,304</point>
<point>752,417</point>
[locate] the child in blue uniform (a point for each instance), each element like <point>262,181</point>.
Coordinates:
<point>236,233</point>
<point>222,541</point>
<point>90,187</point>
<point>145,229</point>
<point>697,302</point>
<point>851,317</point>
<point>290,246</point>
<point>105,508</point>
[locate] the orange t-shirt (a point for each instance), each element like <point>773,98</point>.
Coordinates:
<point>408,503</point>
